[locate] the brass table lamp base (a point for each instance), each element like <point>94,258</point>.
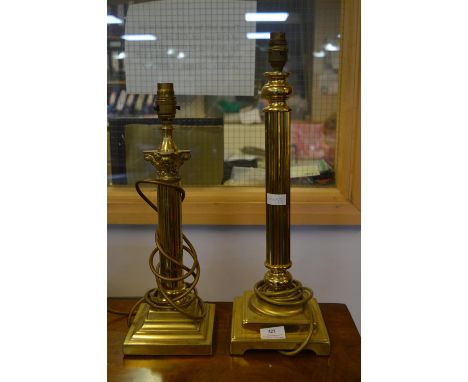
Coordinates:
<point>168,332</point>
<point>246,325</point>
<point>173,320</point>
<point>278,300</point>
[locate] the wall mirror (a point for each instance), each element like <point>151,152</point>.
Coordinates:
<point>215,53</point>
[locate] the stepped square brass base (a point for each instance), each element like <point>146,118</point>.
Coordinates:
<point>246,325</point>
<point>169,332</point>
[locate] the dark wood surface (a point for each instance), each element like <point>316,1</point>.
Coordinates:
<point>343,364</point>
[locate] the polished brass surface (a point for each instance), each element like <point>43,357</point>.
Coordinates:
<point>168,332</point>
<point>277,51</point>
<point>278,299</point>
<point>245,329</point>
<point>277,163</point>
<point>173,319</point>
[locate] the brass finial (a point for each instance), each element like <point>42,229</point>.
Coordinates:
<point>277,51</point>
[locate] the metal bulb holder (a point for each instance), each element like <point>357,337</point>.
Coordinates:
<point>278,299</point>
<point>172,320</point>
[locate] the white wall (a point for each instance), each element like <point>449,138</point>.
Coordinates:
<point>326,259</point>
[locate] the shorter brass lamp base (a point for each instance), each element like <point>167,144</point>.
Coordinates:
<point>168,332</point>
<point>246,325</point>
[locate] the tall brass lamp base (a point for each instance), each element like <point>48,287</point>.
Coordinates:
<point>246,325</point>
<point>173,320</point>
<point>168,332</point>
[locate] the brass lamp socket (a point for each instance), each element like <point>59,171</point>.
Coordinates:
<point>166,102</point>
<point>277,51</point>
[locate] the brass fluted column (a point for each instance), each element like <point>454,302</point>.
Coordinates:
<point>173,320</point>
<point>278,164</point>
<point>278,300</point>
<point>278,284</point>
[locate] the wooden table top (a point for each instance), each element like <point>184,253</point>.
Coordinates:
<point>343,364</point>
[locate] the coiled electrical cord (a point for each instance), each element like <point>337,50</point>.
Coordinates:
<point>190,293</point>
<point>297,295</point>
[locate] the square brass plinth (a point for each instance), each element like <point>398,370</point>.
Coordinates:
<point>246,325</point>
<point>169,333</point>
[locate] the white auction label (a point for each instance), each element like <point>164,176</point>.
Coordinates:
<point>276,199</point>
<point>276,333</point>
